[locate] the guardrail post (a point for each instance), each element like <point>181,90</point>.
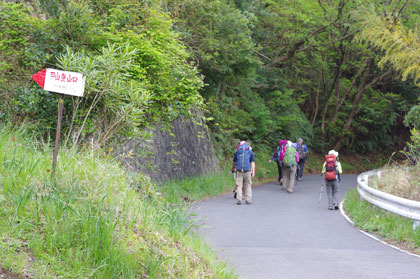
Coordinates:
<point>416,224</point>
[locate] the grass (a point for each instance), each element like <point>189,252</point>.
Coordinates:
<point>394,229</point>
<point>94,220</point>
<point>196,188</point>
<point>402,181</point>
<point>265,171</point>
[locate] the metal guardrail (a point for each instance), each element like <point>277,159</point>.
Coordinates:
<point>403,207</point>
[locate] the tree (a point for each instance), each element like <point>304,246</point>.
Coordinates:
<point>399,43</point>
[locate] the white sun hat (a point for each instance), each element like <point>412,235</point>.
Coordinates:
<point>333,152</point>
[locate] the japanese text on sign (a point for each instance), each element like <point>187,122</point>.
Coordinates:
<point>64,77</point>
<point>69,83</point>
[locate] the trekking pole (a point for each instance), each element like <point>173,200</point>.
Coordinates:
<point>234,178</point>
<point>322,189</point>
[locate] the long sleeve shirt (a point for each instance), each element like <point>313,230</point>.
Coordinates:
<point>276,155</point>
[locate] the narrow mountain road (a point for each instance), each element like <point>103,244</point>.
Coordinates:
<point>285,235</point>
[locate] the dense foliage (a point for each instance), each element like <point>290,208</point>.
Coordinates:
<point>262,70</point>
<point>298,71</point>
<point>136,66</point>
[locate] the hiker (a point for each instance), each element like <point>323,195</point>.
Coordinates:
<point>234,172</point>
<point>276,158</point>
<point>331,171</point>
<point>288,167</point>
<point>295,145</point>
<point>244,166</point>
<point>302,149</point>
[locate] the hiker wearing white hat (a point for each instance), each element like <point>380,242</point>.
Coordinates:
<point>333,152</point>
<point>331,171</point>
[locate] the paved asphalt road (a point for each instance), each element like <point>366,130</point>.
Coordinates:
<point>285,235</point>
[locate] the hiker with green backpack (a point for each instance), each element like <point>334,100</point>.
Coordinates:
<point>289,160</point>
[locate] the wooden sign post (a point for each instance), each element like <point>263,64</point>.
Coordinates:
<point>66,83</point>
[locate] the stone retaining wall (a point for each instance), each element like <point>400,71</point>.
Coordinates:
<point>184,151</point>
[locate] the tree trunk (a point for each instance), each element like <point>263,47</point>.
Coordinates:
<point>315,114</point>
<point>333,86</point>
<point>340,101</point>
<point>295,48</point>
<point>363,87</point>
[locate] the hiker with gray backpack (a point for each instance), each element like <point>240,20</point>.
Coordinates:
<point>302,149</point>
<point>289,162</point>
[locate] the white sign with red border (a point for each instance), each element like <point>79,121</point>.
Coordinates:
<point>68,83</point>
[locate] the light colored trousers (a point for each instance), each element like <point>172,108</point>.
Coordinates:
<point>288,178</point>
<point>243,181</point>
<point>332,188</point>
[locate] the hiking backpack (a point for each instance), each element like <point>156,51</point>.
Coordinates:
<point>289,159</point>
<point>301,150</point>
<point>243,156</point>
<point>281,151</point>
<point>330,167</point>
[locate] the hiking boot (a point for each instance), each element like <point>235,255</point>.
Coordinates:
<point>330,207</point>
<point>336,206</point>
<point>248,202</point>
<point>238,202</point>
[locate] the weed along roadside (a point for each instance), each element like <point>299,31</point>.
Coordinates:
<point>97,220</point>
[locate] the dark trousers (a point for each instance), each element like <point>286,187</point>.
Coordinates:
<point>301,166</point>
<point>279,170</point>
